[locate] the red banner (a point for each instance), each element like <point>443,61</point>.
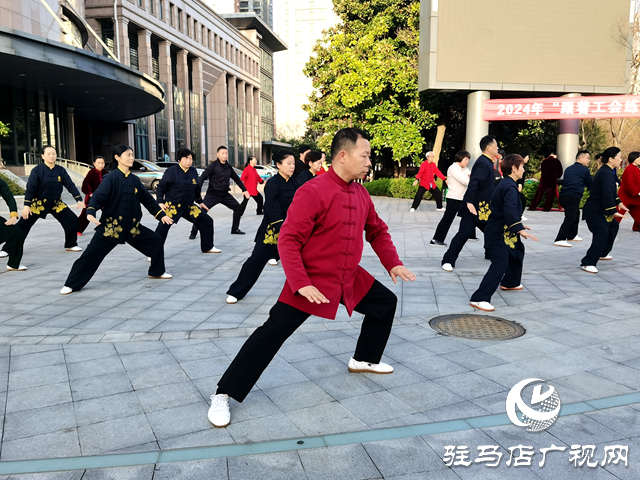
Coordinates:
<point>561,108</point>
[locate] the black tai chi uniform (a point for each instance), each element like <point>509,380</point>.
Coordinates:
<point>304,177</point>
<point>219,174</point>
<point>178,190</point>
<point>479,193</point>
<point>44,190</point>
<point>13,236</point>
<point>505,248</point>
<point>119,196</point>
<point>598,211</point>
<point>279,194</point>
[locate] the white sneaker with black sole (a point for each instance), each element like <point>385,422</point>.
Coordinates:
<point>219,414</point>
<point>366,367</point>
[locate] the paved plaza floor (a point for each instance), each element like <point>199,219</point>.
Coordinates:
<point>128,365</point>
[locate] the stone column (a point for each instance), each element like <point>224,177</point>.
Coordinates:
<point>198,90</point>
<point>123,36</point>
<point>232,101</point>
<point>568,138</point>
<point>217,113</point>
<point>165,76</point>
<point>249,138</point>
<point>257,151</point>
<point>144,51</point>
<point>242,111</point>
<point>476,126</point>
<point>183,82</point>
<point>71,134</point>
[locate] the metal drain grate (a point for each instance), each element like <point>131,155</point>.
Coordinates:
<point>477,327</point>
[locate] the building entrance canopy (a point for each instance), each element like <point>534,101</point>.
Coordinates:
<point>98,89</point>
<point>562,108</point>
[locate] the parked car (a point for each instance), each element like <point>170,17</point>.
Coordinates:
<point>171,164</point>
<point>148,172</point>
<point>266,171</point>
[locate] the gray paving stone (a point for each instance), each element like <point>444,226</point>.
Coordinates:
<point>114,434</point>
<point>198,351</point>
<point>207,367</point>
<point>424,396</point>
<point>157,376</point>
<point>37,421</point>
<point>63,443</point>
<point>107,408</point>
<point>378,407</point>
<point>273,427</point>
<point>347,385</point>
<point>325,419</point>
<point>154,358</point>
<point>298,395</point>
<point>36,377</point>
<point>37,360</point>
<point>214,469</point>
<point>143,472</point>
<point>37,397</point>
<point>82,353</point>
<point>168,396</point>
<point>279,374</point>
<point>403,456</point>
<point>95,368</point>
<point>104,385</point>
<point>272,466</point>
<point>320,367</point>
<point>469,385</point>
<point>176,421</point>
<point>203,438</point>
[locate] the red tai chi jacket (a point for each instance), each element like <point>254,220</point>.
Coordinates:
<point>321,244</point>
<point>251,178</point>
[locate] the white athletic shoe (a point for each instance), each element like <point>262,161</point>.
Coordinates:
<point>523,219</point>
<point>519,287</point>
<point>3,254</point>
<point>608,257</point>
<point>484,306</point>
<point>148,259</point>
<point>442,209</point>
<point>576,239</point>
<point>447,267</point>
<point>213,250</point>
<point>412,210</point>
<point>164,276</point>
<point>74,249</point>
<point>21,268</point>
<point>589,268</point>
<point>219,414</point>
<point>473,240</point>
<point>273,262</point>
<point>66,290</point>
<point>231,299</point>
<point>365,367</point>
<point>562,243</point>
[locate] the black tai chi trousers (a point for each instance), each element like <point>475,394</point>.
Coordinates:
<point>505,270</point>
<point>67,219</point>
<point>435,192</point>
<point>453,206</point>
<point>147,242</point>
<point>252,268</point>
<point>378,307</point>
<point>202,222</point>
<point>467,230</point>
<point>259,203</point>
<point>569,228</point>
<point>228,201</point>
<point>604,234</point>
<point>14,238</point>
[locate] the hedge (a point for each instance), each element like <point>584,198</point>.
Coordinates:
<point>13,186</point>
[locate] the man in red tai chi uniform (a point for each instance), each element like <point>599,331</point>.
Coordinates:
<point>320,245</point>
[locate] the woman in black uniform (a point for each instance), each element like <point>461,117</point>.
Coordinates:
<point>502,236</point>
<point>42,197</point>
<point>119,196</point>
<point>313,160</point>
<point>279,192</point>
<point>600,209</point>
<point>177,192</point>
<point>9,233</point>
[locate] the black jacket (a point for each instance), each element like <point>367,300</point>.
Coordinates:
<point>576,178</point>
<point>300,167</point>
<point>44,189</point>
<point>179,187</point>
<point>218,174</point>
<point>304,177</point>
<point>119,196</point>
<point>480,189</point>
<point>603,197</point>
<point>505,220</point>
<point>278,193</point>
<point>5,191</point>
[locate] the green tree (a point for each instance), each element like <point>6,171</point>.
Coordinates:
<point>4,132</point>
<point>365,75</point>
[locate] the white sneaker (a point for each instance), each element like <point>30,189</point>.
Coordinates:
<point>66,290</point>
<point>213,250</point>
<point>447,267</point>
<point>412,210</point>
<point>576,239</point>
<point>519,287</point>
<point>273,262</point>
<point>164,276</point>
<point>608,257</point>
<point>20,268</point>
<point>365,367</point>
<point>473,240</point>
<point>523,219</point>
<point>3,254</point>
<point>231,299</point>
<point>484,306</point>
<point>148,259</point>
<point>219,414</point>
<point>562,243</point>
<point>74,249</point>
<point>440,209</point>
<point>589,268</point>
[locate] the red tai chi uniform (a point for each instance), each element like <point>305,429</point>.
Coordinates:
<point>321,244</point>
<point>629,193</point>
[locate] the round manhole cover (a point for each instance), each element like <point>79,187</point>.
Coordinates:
<point>477,327</point>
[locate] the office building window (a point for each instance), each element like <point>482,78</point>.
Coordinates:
<point>190,73</point>
<point>162,133</point>
<point>179,118</point>
<point>107,35</point>
<point>142,138</point>
<point>155,60</point>
<point>171,7</point>
<point>179,19</point>
<point>174,67</point>
<point>194,115</point>
<point>133,50</point>
<point>161,9</point>
<point>151,2</point>
<point>188,24</point>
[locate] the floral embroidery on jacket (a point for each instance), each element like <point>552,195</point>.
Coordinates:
<point>483,211</point>
<point>37,206</point>
<point>195,211</point>
<point>171,210</point>
<point>609,218</point>
<point>271,236</point>
<point>112,228</point>
<point>510,239</point>
<point>59,206</point>
<point>136,228</point>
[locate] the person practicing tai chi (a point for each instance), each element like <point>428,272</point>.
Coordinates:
<point>577,177</point>
<point>279,192</point>
<point>251,178</point>
<point>90,184</point>
<point>177,193</point>
<point>218,174</point>
<point>630,188</point>
<point>426,174</point>
<point>457,179</point>
<point>502,236</point>
<point>550,172</point>
<point>119,196</point>
<point>474,210</point>
<point>321,245</point>
<point>313,160</point>
<point>600,209</point>
<point>12,236</point>
<point>42,197</point>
